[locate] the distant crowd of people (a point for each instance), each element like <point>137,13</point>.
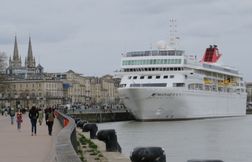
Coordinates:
<point>35,114</point>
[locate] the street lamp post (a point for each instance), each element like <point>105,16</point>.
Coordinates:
<point>27,105</point>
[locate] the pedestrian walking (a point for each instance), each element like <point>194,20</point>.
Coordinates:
<point>12,115</point>
<point>19,119</point>
<point>49,120</point>
<point>33,115</point>
<point>41,115</point>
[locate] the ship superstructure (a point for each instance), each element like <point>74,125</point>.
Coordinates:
<point>166,83</point>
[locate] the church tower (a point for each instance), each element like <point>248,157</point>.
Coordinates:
<point>16,61</point>
<point>30,60</point>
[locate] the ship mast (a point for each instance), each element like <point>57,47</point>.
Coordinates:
<point>173,41</point>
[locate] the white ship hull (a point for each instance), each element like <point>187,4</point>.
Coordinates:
<point>174,103</point>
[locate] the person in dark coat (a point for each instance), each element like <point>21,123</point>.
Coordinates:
<point>33,115</point>
<point>49,119</point>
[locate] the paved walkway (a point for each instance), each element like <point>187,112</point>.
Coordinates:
<point>20,146</point>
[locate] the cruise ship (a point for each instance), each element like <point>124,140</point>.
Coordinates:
<point>167,84</point>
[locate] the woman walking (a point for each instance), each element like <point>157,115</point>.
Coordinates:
<point>33,115</point>
<point>19,119</point>
<point>49,120</point>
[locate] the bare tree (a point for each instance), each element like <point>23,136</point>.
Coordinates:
<point>3,63</point>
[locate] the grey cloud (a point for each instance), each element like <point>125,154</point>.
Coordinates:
<point>90,35</point>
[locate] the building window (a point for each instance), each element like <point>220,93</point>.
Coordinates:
<point>134,77</point>
<point>141,77</point>
<point>149,77</point>
<point>158,77</point>
<point>171,76</point>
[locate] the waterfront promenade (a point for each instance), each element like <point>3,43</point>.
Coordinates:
<point>21,146</point>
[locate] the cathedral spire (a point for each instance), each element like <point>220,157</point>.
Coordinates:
<point>30,55</point>
<point>16,61</point>
<point>30,60</point>
<point>15,52</point>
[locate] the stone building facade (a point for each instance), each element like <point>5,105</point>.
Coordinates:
<point>80,89</point>
<point>28,85</point>
<point>25,93</point>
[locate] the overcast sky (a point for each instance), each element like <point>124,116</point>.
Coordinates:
<point>88,36</point>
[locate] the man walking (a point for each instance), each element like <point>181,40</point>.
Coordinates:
<point>33,115</point>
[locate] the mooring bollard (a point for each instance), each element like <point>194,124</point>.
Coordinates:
<point>205,161</point>
<point>80,123</point>
<point>90,127</point>
<point>109,137</point>
<point>77,120</point>
<point>148,154</point>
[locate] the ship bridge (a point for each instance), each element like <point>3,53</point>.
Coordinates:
<point>172,52</point>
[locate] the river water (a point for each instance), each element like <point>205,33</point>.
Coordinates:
<point>227,139</point>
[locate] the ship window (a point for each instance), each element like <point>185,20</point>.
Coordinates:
<point>149,77</point>
<point>165,76</point>
<point>220,89</point>
<point>207,87</point>
<point>158,77</point>
<point>191,86</point>
<point>141,77</point>
<point>134,77</point>
<point>122,85</point>
<point>129,77</point>
<point>149,85</point>
<point>171,76</point>
<point>178,84</point>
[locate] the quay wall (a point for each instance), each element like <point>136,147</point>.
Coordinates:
<point>99,117</point>
<point>65,142</point>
